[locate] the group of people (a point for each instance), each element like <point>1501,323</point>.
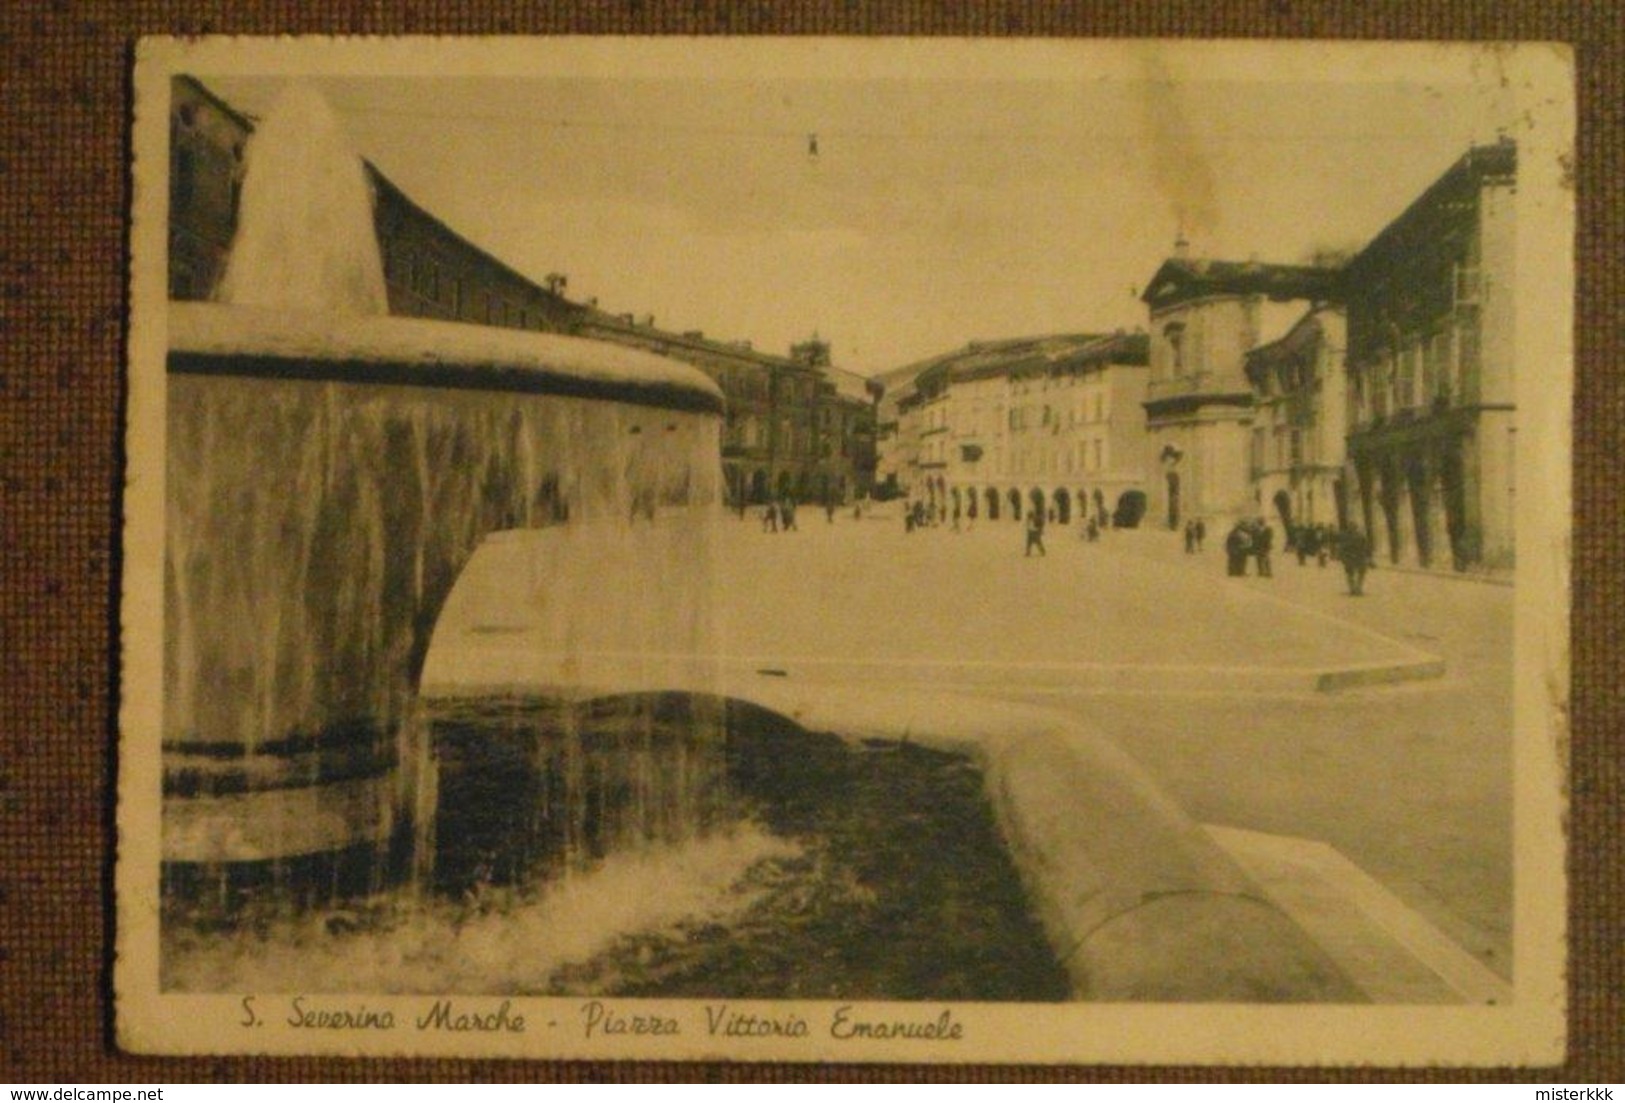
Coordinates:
<point>1090,530</point>
<point>1317,542</point>
<point>1195,533</point>
<point>780,516</point>
<point>920,514</point>
<point>1252,538</point>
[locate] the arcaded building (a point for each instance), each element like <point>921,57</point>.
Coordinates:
<point>795,425</point>
<point>999,428</point>
<point>1433,430</point>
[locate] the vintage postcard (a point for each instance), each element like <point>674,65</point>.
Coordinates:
<point>847,550</point>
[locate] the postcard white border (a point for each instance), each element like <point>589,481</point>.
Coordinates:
<point>1529,1031</point>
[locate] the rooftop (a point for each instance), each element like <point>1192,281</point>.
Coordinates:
<point>1182,278</point>
<point>1295,342</point>
<point>1019,355</point>
<point>1497,161</point>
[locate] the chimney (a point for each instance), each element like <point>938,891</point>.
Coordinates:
<point>1182,247</point>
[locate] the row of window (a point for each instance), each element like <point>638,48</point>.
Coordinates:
<point>750,383</point>
<point>421,275</point>
<point>1052,382</point>
<point>1083,412</point>
<point>1424,371</point>
<point>1076,458</point>
<point>749,431</point>
<point>1282,447</point>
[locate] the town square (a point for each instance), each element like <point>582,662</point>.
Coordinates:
<point>947,536</point>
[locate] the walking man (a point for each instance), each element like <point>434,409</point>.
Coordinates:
<point>1035,532</point>
<point>1263,540</point>
<point>1355,551</point>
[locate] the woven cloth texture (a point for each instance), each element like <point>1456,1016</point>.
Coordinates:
<point>64,197</point>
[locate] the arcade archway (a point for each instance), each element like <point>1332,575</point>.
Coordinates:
<point>1063,507</point>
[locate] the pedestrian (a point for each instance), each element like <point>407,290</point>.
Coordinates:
<point>1190,537</point>
<point>1201,533</point>
<point>1263,541</point>
<point>1092,531</point>
<point>829,511</point>
<point>787,513</point>
<point>1355,551</point>
<point>1035,533</point>
<point>1238,548</point>
<point>770,518</point>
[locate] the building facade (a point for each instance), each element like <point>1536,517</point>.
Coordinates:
<point>1433,431</point>
<point>1000,428</point>
<point>1297,454</point>
<point>429,270</point>
<point>1205,317</point>
<point>795,425</point>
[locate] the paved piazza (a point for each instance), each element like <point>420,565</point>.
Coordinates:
<point>1208,681</point>
<point>1178,664</point>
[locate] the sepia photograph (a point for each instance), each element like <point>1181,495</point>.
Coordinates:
<point>847,550</point>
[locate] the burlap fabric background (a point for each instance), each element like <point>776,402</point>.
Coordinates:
<point>64,93</point>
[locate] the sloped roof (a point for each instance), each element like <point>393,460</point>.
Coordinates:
<point>1182,278</point>
<point>1469,173</point>
<point>1018,355</point>
<point>1300,339</point>
<point>849,384</point>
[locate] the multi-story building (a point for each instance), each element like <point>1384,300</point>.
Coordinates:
<point>429,270</point>
<point>1206,316</point>
<point>999,428</point>
<point>1299,422</point>
<point>848,436</point>
<point>1430,368</point>
<point>795,424</point>
<point>900,419</point>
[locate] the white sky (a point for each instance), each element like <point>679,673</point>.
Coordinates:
<point>936,211</point>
